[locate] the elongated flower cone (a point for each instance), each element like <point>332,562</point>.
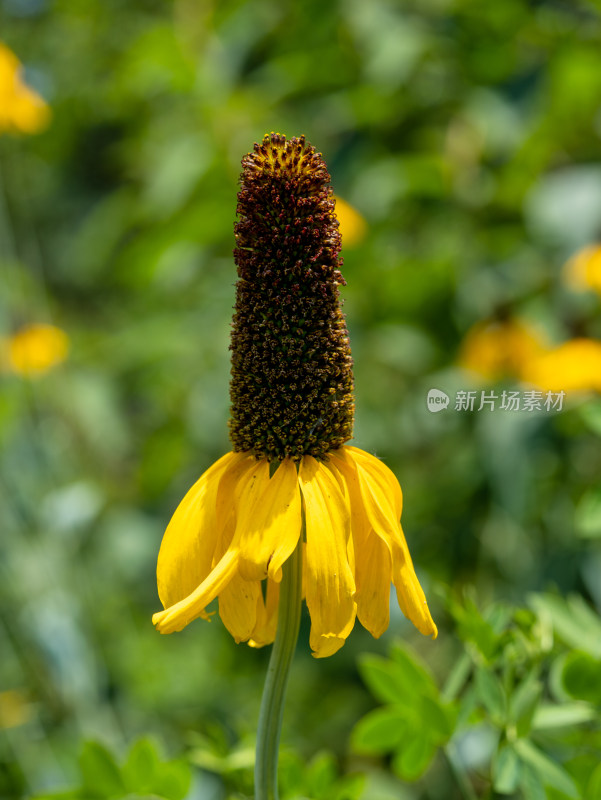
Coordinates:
<point>291,414</point>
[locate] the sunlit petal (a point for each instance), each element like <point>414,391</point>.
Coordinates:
<point>269,521</point>
<point>233,487</point>
<point>267,616</point>
<point>238,607</point>
<point>324,646</point>
<point>380,507</point>
<point>373,576</point>
<point>343,465</point>
<point>330,585</point>
<point>380,468</point>
<point>186,554</point>
<point>176,617</point>
<point>410,594</point>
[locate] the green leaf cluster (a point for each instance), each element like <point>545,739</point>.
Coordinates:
<point>318,778</point>
<point>414,721</point>
<point>519,715</point>
<point>143,774</point>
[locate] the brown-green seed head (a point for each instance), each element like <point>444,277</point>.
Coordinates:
<point>292,380</point>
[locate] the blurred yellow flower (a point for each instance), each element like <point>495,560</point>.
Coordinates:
<point>21,109</point>
<point>34,350</point>
<point>352,225</point>
<point>583,270</point>
<point>573,366</point>
<point>499,349</point>
<point>15,709</point>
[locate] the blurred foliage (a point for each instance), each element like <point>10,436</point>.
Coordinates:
<point>519,714</point>
<point>466,137</point>
<point>142,774</point>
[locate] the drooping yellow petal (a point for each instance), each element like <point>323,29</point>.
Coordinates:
<point>186,554</point>
<point>330,585</point>
<point>377,501</point>
<point>176,617</point>
<point>240,599</point>
<point>410,594</point>
<point>269,521</point>
<point>324,646</point>
<point>380,508</point>
<point>267,616</point>
<point>233,487</point>
<point>342,464</point>
<point>373,575</point>
<point>372,560</point>
<point>387,475</point>
<point>238,607</point>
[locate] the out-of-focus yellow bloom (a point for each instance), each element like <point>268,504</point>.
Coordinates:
<point>498,349</point>
<point>574,366</point>
<point>352,224</point>
<point>583,270</point>
<point>34,350</point>
<point>14,709</point>
<point>21,109</point>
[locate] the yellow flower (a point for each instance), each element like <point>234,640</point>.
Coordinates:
<point>500,349</point>
<point>21,109</point>
<point>35,349</point>
<point>583,270</point>
<point>574,366</point>
<point>15,710</point>
<point>352,224</point>
<point>237,526</point>
<point>290,474</point>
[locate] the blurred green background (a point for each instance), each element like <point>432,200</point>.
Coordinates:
<point>467,136</point>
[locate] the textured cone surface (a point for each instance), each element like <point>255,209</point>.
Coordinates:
<point>292,382</point>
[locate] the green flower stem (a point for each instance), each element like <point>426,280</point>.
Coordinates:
<point>272,703</point>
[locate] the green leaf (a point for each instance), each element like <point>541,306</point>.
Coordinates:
<point>140,766</point>
<point>564,716</point>
<point>506,770</point>
<point>413,758</point>
<point>350,787</point>
<point>581,677</point>
<point>593,787</point>
<point>411,672</point>
<point>530,783</point>
<point>572,620</point>
<point>437,719</point>
<point>550,773</point>
<point>380,731</point>
<point>173,780</point>
<point>321,775</point>
<point>472,627</point>
<point>388,681</point>
<point>145,773</point>
<point>591,414</point>
<point>587,517</point>
<point>491,694</point>
<point>101,776</point>
<point>524,702</point>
